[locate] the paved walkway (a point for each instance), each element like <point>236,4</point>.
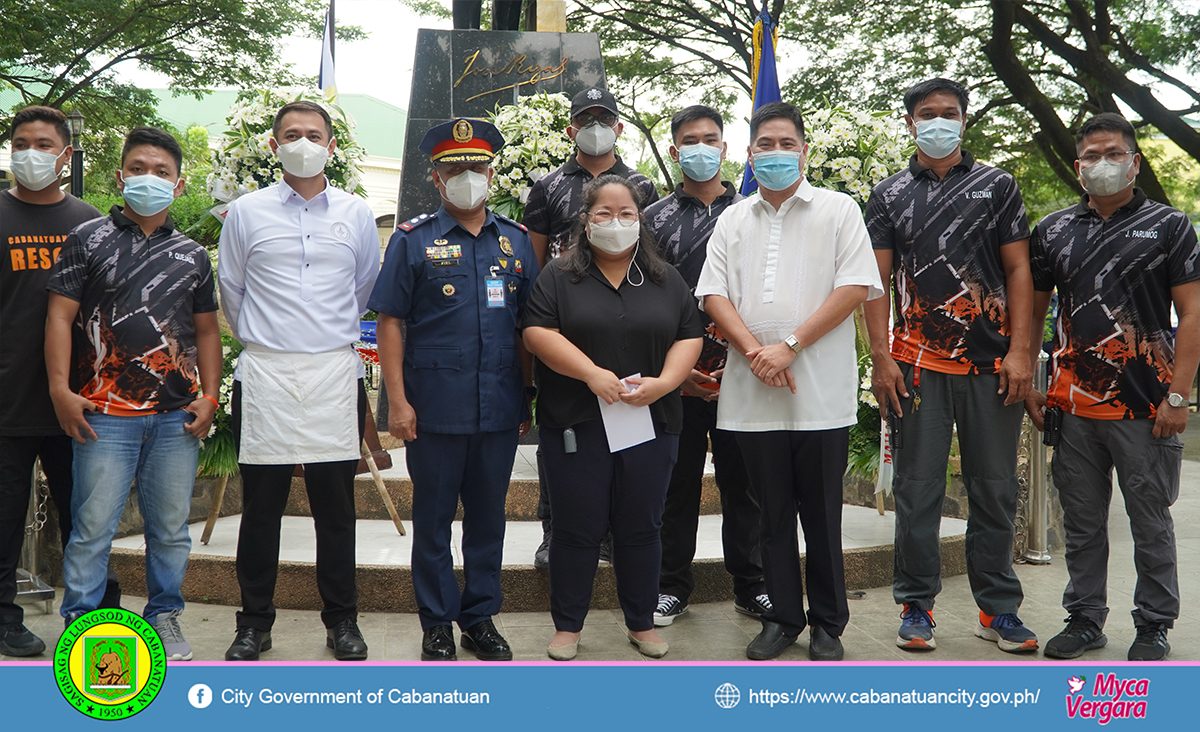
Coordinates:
<point>714,632</point>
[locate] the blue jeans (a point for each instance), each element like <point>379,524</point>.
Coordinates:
<point>157,451</point>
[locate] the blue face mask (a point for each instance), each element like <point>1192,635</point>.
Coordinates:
<point>939,137</point>
<point>148,195</point>
<point>700,162</point>
<point>776,170</point>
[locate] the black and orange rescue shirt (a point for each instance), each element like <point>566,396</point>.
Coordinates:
<point>949,285</point>
<point>135,347</point>
<point>682,225</point>
<point>1114,348</point>
<point>32,237</point>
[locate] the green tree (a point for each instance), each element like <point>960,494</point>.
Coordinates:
<point>67,53</point>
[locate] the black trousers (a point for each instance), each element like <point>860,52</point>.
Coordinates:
<point>801,472</point>
<point>595,491</point>
<point>17,457</point>
<point>739,509</point>
<point>265,490</point>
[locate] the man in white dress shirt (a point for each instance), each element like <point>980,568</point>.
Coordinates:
<point>297,263</point>
<point>785,270</point>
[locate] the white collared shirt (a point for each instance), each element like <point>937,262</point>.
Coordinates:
<point>295,275</point>
<point>778,268</point>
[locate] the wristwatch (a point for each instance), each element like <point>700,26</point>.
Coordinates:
<point>792,343</point>
<point>1176,400</point>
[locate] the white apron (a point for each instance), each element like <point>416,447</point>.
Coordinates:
<point>298,407</point>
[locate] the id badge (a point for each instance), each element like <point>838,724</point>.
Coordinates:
<point>495,292</point>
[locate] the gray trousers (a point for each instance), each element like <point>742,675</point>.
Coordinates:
<point>988,435</point>
<point>1148,472</point>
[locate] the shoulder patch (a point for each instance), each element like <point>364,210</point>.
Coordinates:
<point>517,224</point>
<point>415,222</point>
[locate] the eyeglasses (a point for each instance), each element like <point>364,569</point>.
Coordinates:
<point>628,216</point>
<point>1119,157</point>
<point>607,119</point>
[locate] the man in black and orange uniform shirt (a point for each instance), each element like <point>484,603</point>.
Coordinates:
<point>35,218</point>
<point>682,224</point>
<point>556,202</point>
<point>131,323</point>
<point>1122,381</point>
<point>953,233</point>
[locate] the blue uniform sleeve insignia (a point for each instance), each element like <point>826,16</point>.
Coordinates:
<point>415,222</point>
<point>507,220</point>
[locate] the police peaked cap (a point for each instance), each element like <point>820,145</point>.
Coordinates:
<point>463,140</point>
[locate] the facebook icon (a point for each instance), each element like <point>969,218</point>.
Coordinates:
<point>200,696</point>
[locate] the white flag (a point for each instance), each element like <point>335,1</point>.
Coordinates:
<point>326,80</point>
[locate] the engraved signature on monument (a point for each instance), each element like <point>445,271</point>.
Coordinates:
<point>520,65</point>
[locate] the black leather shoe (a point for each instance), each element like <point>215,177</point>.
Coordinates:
<point>824,647</point>
<point>248,643</point>
<point>541,557</point>
<point>16,640</point>
<point>486,642</point>
<point>346,641</point>
<point>769,643</point>
<point>438,644</point>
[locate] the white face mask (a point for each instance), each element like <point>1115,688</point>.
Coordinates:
<point>303,158</point>
<point>35,169</point>
<point>1104,178</point>
<point>466,190</point>
<point>596,139</point>
<point>614,237</point>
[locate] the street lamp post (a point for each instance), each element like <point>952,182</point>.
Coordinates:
<point>75,122</point>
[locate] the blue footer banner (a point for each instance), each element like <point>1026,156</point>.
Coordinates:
<point>110,679</point>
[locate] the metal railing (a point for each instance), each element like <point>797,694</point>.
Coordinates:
<point>1030,543</point>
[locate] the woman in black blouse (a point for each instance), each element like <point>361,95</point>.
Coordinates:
<point>608,309</point>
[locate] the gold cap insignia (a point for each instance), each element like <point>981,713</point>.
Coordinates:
<point>463,132</point>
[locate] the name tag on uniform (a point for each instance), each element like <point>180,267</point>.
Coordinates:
<point>495,292</point>
<point>444,255</point>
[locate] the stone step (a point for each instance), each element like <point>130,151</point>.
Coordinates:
<point>521,503</point>
<point>384,572</point>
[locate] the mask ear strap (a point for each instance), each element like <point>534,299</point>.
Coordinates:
<point>634,265</point>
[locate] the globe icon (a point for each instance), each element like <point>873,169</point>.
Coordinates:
<point>727,696</point>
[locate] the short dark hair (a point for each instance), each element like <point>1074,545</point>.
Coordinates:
<point>918,92</point>
<point>578,258</point>
<point>693,113</point>
<point>157,138</point>
<point>44,114</point>
<point>302,105</point>
<point>1107,122</point>
<point>776,110</point>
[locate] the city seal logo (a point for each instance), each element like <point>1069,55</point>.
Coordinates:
<point>340,231</point>
<point>109,664</point>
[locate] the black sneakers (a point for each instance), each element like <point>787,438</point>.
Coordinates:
<point>1080,635</point>
<point>1151,643</point>
<point>16,640</point>
<point>669,608</point>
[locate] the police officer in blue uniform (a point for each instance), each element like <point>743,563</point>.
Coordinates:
<point>457,280</point>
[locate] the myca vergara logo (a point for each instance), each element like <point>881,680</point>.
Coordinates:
<point>1112,698</point>
<point>109,664</point>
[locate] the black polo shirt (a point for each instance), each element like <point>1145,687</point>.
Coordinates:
<point>682,225</point>
<point>556,200</point>
<point>1113,347</point>
<point>949,284</point>
<point>627,330</point>
<point>136,350</point>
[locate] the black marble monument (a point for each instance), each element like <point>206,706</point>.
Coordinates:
<point>464,73</point>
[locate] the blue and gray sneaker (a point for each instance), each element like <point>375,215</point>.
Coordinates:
<point>1006,631</point>
<point>175,646</point>
<point>916,629</point>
